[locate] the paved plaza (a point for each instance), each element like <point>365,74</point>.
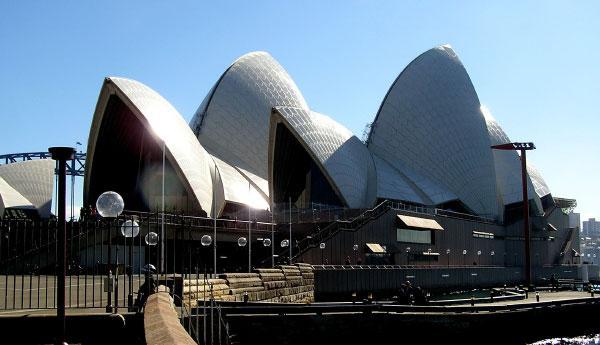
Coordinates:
<point>39,292</point>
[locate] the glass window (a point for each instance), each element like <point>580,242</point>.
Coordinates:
<point>413,236</point>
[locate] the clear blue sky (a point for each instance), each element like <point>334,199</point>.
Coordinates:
<point>534,64</point>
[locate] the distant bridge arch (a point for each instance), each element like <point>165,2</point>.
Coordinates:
<point>75,166</point>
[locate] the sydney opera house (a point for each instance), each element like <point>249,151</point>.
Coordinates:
<point>254,146</point>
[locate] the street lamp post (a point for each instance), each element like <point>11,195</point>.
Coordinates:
<point>241,242</point>
<point>407,256</point>
<point>322,247</point>
<point>478,256</point>
<point>267,244</point>
<point>290,242</point>
<point>151,240</point>
<point>448,256</point>
<point>492,253</point>
<point>355,249</point>
<point>205,240</point>
<point>284,243</point>
<point>464,257</point>
<point>110,205</point>
<point>523,147</point>
<point>61,154</point>
<point>130,229</point>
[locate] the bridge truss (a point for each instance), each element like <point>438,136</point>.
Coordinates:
<point>75,166</point>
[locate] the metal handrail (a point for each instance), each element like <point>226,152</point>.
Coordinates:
<point>350,307</point>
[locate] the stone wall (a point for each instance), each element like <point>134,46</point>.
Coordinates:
<point>161,322</point>
<point>285,284</point>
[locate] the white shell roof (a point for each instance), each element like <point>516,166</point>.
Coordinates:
<point>238,189</point>
<point>233,120</point>
<point>508,166</point>
<point>33,180</point>
<point>430,122</point>
<point>11,198</point>
<point>343,157</point>
<point>541,188</point>
<point>192,162</point>
<point>391,184</point>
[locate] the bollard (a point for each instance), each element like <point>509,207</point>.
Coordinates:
<point>472,301</point>
<point>537,296</point>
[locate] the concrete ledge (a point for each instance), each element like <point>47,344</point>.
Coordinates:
<point>161,322</point>
<point>86,328</point>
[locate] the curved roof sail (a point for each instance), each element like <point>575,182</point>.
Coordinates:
<point>430,122</point>
<point>33,180</point>
<point>161,121</point>
<point>343,157</point>
<point>232,122</point>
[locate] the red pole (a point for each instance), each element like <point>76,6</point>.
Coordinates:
<point>526,217</point>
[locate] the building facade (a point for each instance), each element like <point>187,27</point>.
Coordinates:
<point>255,144</point>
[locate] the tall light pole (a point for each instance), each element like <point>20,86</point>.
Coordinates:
<point>130,229</point>
<point>290,230</point>
<point>162,212</point>
<point>249,236</point>
<point>61,155</point>
<point>110,205</point>
<point>523,147</point>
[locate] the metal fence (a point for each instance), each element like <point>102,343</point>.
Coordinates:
<point>100,248</point>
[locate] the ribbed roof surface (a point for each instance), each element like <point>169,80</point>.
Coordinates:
<point>238,189</point>
<point>10,198</point>
<point>34,180</point>
<point>430,122</point>
<point>233,120</point>
<point>508,166</point>
<point>342,155</point>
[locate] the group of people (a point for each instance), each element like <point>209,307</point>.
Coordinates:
<point>86,213</point>
<point>410,295</point>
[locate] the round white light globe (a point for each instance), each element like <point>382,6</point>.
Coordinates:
<point>151,239</point>
<point>355,247</point>
<point>242,241</point>
<point>206,240</point>
<point>267,242</point>
<point>322,245</point>
<point>285,243</point>
<point>130,228</point>
<point>110,204</point>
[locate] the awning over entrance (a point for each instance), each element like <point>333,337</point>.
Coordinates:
<point>419,223</point>
<point>375,248</point>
